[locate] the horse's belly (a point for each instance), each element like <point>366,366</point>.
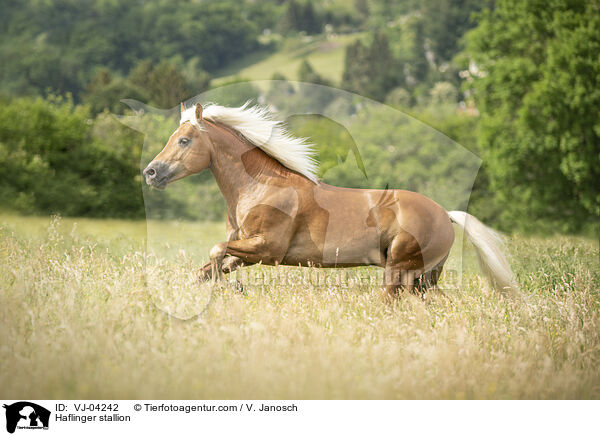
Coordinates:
<point>352,253</point>
<point>338,245</point>
<point>342,246</point>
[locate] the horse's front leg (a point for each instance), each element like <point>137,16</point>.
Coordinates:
<point>217,253</point>
<point>250,250</point>
<point>229,264</point>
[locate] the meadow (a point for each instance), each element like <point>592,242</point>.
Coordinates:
<point>82,316</point>
<point>325,54</point>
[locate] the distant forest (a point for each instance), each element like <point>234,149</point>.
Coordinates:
<point>515,82</point>
<point>164,51</point>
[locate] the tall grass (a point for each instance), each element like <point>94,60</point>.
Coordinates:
<point>81,317</point>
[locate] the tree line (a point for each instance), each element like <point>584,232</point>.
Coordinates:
<point>515,82</point>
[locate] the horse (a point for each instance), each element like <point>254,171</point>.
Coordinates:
<point>280,213</point>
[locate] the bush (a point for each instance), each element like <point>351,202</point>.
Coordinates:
<point>55,159</point>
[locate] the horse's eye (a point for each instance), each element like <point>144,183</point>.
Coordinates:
<point>184,141</point>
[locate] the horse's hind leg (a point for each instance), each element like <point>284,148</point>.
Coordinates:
<point>429,280</point>
<point>397,280</point>
<point>404,264</point>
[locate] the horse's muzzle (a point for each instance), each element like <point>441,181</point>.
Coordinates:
<point>157,174</point>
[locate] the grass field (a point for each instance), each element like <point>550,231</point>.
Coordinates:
<point>80,319</point>
<point>325,54</point>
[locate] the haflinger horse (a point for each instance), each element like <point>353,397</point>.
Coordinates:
<point>279,213</point>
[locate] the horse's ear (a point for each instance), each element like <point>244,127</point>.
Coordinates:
<point>198,112</point>
<point>182,107</point>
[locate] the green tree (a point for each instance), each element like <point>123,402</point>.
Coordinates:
<point>106,92</point>
<point>399,97</point>
<point>362,7</point>
<point>535,74</point>
<point>306,73</point>
<point>54,159</point>
<point>59,45</point>
<point>356,71</point>
<point>167,86</point>
<point>169,83</point>
<point>411,51</point>
<point>443,93</point>
<point>444,23</point>
<point>371,70</point>
<point>301,16</point>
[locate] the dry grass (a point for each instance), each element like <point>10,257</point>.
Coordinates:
<point>79,320</point>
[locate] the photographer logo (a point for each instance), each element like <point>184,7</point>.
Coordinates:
<point>24,415</point>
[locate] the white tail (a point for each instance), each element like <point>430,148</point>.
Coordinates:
<point>488,245</point>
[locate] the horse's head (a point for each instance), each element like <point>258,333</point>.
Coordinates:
<point>187,152</point>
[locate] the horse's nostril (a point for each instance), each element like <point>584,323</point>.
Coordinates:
<point>151,172</point>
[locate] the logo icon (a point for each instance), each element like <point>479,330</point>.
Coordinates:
<point>26,415</point>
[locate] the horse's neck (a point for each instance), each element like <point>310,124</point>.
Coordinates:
<point>239,166</point>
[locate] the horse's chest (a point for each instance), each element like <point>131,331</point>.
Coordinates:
<point>259,209</point>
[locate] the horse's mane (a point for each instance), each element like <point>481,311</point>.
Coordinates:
<point>259,127</point>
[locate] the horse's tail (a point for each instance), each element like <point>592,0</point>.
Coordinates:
<point>488,245</point>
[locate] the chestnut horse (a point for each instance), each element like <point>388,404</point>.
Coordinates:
<point>278,212</point>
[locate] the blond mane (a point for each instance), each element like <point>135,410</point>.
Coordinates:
<point>259,127</point>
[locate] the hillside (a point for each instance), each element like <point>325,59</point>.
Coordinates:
<point>325,54</point>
